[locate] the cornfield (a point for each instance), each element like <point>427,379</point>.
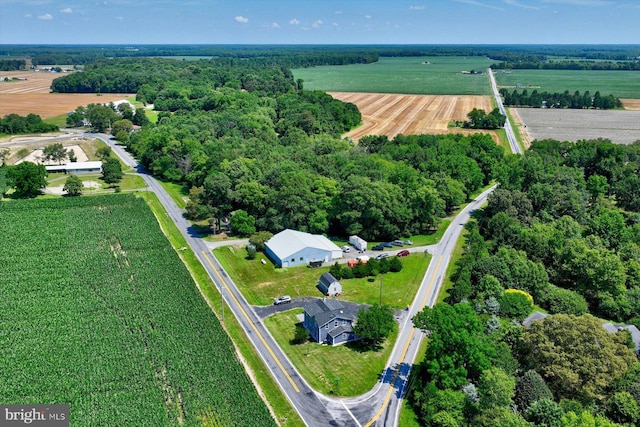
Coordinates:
<point>97,311</point>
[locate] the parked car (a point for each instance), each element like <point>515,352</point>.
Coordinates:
<point>285,299</point>
<point>346,249</point>
<point>386,245</point>
<point>397,243</point>
<point>407,242</point>
<point>379,247</point>
<point>382,255</point>
<point>403,252</point>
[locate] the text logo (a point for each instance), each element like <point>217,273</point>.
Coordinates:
<point>34,415</point>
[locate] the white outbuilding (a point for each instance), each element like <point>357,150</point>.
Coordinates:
<point>290,248</point>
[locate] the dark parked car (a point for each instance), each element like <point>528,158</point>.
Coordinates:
<point>386,245</point>
<point>397,243</point>
<point>379,247</point>
<point>403,253</point>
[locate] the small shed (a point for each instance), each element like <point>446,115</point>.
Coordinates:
<point>329,285</point>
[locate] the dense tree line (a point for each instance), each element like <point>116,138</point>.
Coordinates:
<point>294,56</point>
<point>12,64</point>
<point>565,227</point>
<point>32,123</point>
<point>258,142</point>
<point>479,119</point>
<point>632,65</point>
<point>562,231</point>
<point>559,100</point>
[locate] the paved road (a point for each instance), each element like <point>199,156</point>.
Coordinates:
<point>513,142</point>
<point>381,405</point>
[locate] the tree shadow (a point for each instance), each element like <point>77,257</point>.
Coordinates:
<point>363,346</point>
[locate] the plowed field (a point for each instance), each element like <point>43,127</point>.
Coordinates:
<point>32,95</point>
<point>631,104</point>
<point>388,114</point>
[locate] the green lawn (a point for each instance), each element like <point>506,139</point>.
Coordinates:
<point>179,194</point>
<point>358,370</point>
<point>260,283</point>
<point>411,75</point>
<point>621,84</point>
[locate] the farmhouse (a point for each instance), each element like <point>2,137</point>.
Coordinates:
<point>330,321</point>
<point>290,248</point>
<point>329,285</point>
<point>76,168</point>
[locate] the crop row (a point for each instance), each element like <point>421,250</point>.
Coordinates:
<point>98,311</point>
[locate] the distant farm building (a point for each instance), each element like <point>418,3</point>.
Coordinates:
<point>290,248</point>
<point>76,168</point>
<point>329,285</point>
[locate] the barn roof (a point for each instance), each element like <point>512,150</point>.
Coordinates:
<point>289,241</point>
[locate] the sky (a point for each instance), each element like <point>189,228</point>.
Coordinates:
<point>133,22</point>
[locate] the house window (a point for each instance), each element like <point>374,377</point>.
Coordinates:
<point>344,335</point>
<point>335,325</point>
<point>344,322</point>
<point>326,326</point>
<point>301,258</point>
<point>293,260</point>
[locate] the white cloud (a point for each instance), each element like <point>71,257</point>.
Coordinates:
<point>367,16</point>
<point>120,18</point>
<point>518,4</point>
<point>274,25</point>
<point>46,17</point>
<point>66,10</point>
<point>338,12</point>
<point>28,16</point>
<point>294,21</point>
<point>477,3</point>
<point>417,7</point>
<point>241,19</point>
<point>317,23</point>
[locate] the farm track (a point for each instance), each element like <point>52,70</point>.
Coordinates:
<point>390,114</point>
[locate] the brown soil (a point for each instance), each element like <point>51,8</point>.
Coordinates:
<point>389,114</point>
<point>631,104</point>
<point>524,131</point>
<point>48,105</point>
<point>33,95</point>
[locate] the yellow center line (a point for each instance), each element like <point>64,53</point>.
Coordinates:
<point>295,387</point>
<point>404,352</point>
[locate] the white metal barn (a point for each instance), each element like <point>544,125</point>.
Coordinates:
<point>290,248</point>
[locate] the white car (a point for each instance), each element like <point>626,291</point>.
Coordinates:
<point>382,255</point>
<point>285,299</point>
<point>346,249</point>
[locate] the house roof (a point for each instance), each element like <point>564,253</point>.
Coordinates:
<point>325,310</point>
<point>290,241</point>
<point>326,280</point>
<point>340,330</point>
<point>75,166</point>
<point>535,316</point>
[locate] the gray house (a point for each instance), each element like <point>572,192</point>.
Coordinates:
<point>329,285</point>
<point>330,321</point>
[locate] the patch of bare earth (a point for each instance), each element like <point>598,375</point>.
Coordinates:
<point>391,114</point>
<point>619,126</point>
<point>522,127</point>
<point>631,104</point>
<point>31,94</point>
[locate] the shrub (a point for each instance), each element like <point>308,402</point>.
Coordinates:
<point>516,304</point>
